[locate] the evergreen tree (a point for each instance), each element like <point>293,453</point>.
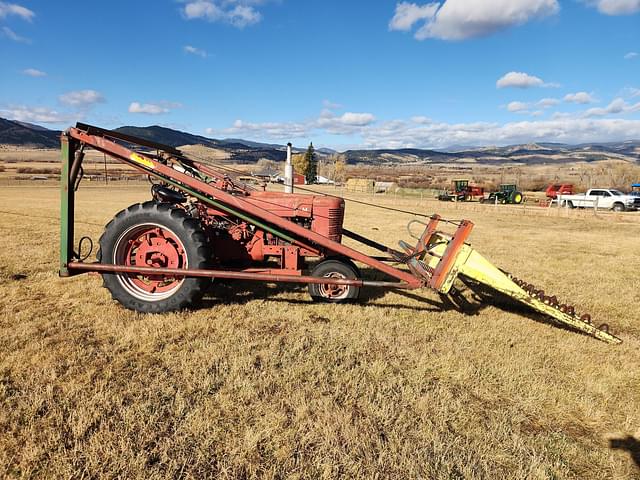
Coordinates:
<point>311,171</point>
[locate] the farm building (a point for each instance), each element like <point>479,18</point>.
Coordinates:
<point>267,174</point>
<point>324,180</point>
<point>384,187</point>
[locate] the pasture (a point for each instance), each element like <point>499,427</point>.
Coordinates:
<point>262,383</point>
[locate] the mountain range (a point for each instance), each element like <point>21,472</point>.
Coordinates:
<point>22,134</point>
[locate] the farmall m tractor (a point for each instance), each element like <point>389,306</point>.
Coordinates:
<point>199,225</point>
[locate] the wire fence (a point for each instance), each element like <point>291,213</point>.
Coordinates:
<point>532,205</point>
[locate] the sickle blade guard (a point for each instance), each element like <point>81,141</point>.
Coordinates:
<point>439,258</point>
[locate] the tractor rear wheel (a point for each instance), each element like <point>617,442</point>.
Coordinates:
<point>159,235</point>
<point>334,293</point>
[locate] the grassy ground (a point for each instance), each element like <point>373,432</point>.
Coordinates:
<point>263,383</point>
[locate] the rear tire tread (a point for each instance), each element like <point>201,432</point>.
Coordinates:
<point>190,233</point>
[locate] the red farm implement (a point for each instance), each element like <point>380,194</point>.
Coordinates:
<point>162,254</point>
<point>555,189</point>
<point>462,192</point>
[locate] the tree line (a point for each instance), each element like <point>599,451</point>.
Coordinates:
<point>307,164</point>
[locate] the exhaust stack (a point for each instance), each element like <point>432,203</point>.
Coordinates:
<point>288,172</point>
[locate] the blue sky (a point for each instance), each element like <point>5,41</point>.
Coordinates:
<point>342,74</point>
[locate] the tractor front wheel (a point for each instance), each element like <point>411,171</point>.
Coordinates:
<point>334,293</point>
<point>157,235</point>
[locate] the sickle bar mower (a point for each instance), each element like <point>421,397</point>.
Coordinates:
<point>161,255</point>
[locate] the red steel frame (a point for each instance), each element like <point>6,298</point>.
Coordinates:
<point>75,139</point>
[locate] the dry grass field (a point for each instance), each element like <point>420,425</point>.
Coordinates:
<point>262,383</point>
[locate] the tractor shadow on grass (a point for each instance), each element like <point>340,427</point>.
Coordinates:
<point>629,444</point>
<point>240,292</point>
<point>467,297</point>
<point>489,296</point>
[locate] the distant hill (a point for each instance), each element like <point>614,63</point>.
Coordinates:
<point>249,143</point>
<point>525,154</point>
<point>32,126</point>
<point>399,155</point>
<point>27,135</point>
<point>237,150</point>
<point>167,136</point>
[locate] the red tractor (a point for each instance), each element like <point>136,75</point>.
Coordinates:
<point>161,255</point>
<point>462,192</point>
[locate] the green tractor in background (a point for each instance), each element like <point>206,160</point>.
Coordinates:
<point>508,193</point>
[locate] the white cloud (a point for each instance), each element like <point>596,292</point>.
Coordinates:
<point>522,80</point>
<point>616,7</point>
<point>200,9</point>
<point>357,119</point>
<point>422,132</point>
<point>562,115</point>
<point>421,119</point>
<point>548,102</point>
<point>517,107</point>
<point>407,14</point>
<point>33,72</point>
<point>7,9</point>
<point>235,12</point>
<point>196,51</point>
<point>617,106</point>
<point>11,35</point>
<point>24,113</point>
<point>327,121</point>
<point>331,105</point>
<point>272,130</point>
<point>462,19</point>
<point>243,15</point>
<point>81,98</point>
<point>439,135</point>
<point>159,108</point>
<point>345,124</point>
<point>408,134</point>
<point>525,108</point>
<point>579,97</point>
<point>631,55</point>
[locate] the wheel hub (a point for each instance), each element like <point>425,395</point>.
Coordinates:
<point>334,291</point>
<point>154,246</point>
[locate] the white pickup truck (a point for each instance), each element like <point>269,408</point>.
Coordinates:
<point>605,198</point>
